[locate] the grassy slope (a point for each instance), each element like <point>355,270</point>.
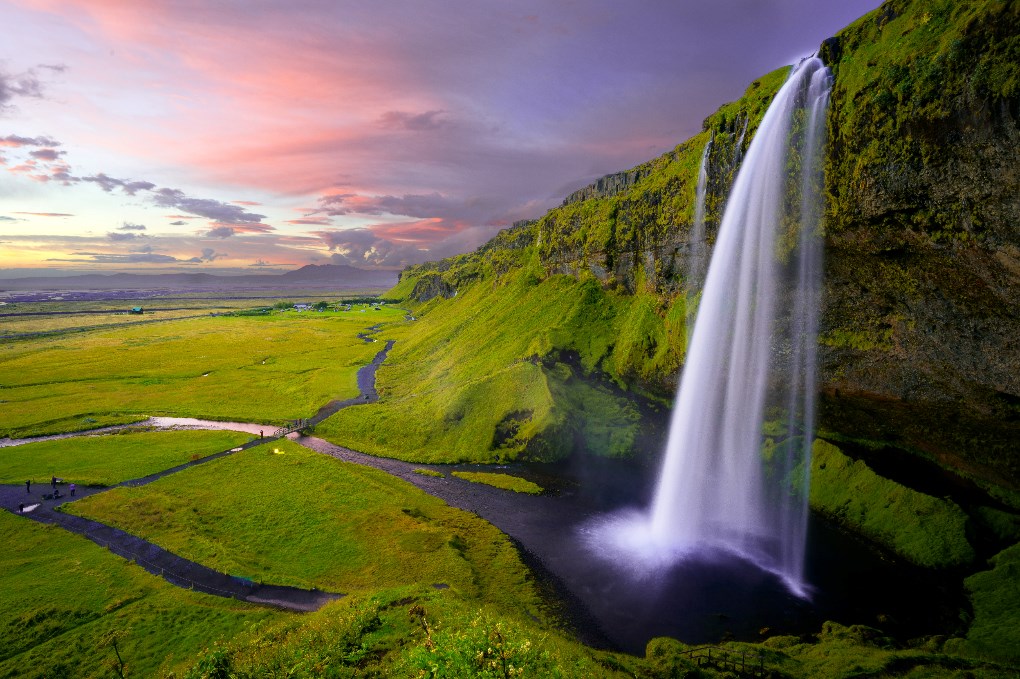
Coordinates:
<point>926,530</point>
<point>476,378</point>
<point>61,596</point>
<point>268,369</point>
<point>110,459</point>
<point>304,519</point>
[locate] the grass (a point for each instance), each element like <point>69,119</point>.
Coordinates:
<point>62,597</point>
<point>429,472</point>
<point>109,459</point>
<point>300,518</point>
<point>263,369</point>
<point>408,632</point>
<point>995,597</point>
<point>500,390</point>
<point>928,531</point>
<point>504,481</point>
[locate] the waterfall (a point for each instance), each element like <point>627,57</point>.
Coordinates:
<point>752,352</point>
<point>697,261</point>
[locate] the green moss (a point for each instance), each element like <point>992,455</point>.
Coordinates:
<point>429,472</point>
<point>928,531</point>
<point>504,481</point>
<point>995,596</point>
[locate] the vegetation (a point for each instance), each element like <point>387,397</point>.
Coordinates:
<point>258,369</point>
<point>930,532</point>
<point>109,459</point>
<point>430,472</point>
<point>65,598</point>
<point>995,595</point>
<point>299,518</point>
<point>504,481</point>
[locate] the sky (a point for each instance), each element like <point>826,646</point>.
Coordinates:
<point>236,136</point>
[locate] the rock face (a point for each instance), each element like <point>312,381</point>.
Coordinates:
<point>922,317</point>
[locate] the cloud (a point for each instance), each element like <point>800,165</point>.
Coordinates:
<point>245,202</point>
<point>416,122</point>
<point>408,205</point>
<point>46,154</point>
<point>13,140</point>
<point>115,258</point>
<point>312,221</point>
<point>5,218</point>
<point>208,255</point>
<point>220,232</point>
<point>117,236</point>
<point>45,214</point>
<point>127,226</point>
<point>205,207</point>
<point>178,223</point>
<point>128,186</point>
<point>17,85</point>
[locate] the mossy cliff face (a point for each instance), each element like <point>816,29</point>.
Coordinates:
<point>921,330</point>
<point>921,340</point>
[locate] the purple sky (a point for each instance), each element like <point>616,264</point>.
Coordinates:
<point>194,135</point>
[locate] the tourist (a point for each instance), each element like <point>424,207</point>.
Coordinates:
<point>28,487</point>
<point>53,482</point>
<point>72,488</point>
<point>21,508</point>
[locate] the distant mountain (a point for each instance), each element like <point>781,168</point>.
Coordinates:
<point>315,275</point>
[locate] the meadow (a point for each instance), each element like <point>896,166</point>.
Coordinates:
<point>64,599</point>
<point>267,369</point>
<point>109,459</point>
<point>279,513</point>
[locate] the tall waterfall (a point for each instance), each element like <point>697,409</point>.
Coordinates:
<point>752,353</point>
<point>716,486</point>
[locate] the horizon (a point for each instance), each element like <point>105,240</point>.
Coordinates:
<point>159,138</point>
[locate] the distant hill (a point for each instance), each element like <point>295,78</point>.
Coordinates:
<point>317,275</point>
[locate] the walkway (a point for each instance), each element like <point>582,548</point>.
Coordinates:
<point>156,560</point>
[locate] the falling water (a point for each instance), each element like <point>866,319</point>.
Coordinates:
<point>697,247</point>
<point>738,147</point>
<point>755,334</point>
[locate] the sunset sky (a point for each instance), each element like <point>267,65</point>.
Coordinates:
<point>244,135</point>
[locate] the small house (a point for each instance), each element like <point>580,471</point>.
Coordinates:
<point>135,310</point>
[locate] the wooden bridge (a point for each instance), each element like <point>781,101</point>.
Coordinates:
<point>744,663</point>
<point>292,427</point>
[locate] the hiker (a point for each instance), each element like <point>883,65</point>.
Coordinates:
<point>72,488</point>
<point>28,487</point>
<point>21,508</point>
<point>260,433</point>
<point>53,482</point>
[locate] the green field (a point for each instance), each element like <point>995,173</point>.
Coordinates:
<point>62,596</point>
<point>109,459</point>
<point>265,369</point>
<point>282,514</point>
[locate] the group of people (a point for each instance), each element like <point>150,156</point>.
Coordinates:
<point>53,483</point>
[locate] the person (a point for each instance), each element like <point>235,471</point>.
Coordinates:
<point>28,487</point>
<point>53,482</point>
<point>21,508</point>
<point>72,488</point>
<point>260,433</point>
